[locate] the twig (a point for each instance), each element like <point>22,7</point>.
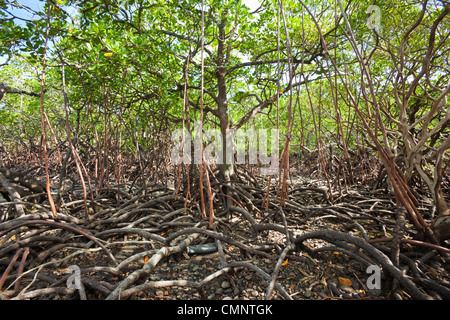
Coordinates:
<point>277,269</point>
<point>43,292</point>
<point>21,266</point>
<point>8,269</point>
<point>414,242</point>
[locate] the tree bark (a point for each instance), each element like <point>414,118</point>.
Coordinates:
<point>226,168</point>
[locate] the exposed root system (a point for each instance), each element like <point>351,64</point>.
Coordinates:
<point>150,243</point>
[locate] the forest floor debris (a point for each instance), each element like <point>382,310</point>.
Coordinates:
<point>309,249</point>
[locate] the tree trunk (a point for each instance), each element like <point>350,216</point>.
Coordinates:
<point>226,168</point>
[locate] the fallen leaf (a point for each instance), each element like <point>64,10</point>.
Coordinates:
<point>285,262</point>
<point>145,259</point>
<point>108,54</point>
<point>345,281</point>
